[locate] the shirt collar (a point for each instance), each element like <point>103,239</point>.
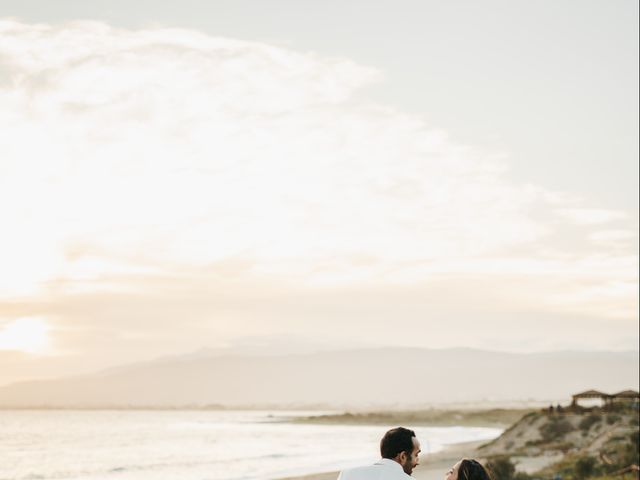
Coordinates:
<point>388,461</point>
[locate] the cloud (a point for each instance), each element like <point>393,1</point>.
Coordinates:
<point>175,145</point>
<point>613,237</point>
<point>591,216</point>
<point>134,155</point>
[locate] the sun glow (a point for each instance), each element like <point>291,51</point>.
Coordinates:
<point>28,335</point>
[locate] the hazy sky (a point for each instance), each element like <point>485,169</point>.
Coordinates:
<point>178,175</point>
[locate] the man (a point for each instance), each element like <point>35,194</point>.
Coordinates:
<point>399,449</point>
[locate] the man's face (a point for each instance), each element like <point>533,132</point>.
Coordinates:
<point>411,462</point>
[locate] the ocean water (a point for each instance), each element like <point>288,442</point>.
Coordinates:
<point>190,445</point>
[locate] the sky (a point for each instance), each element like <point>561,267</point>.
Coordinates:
<point>308,175</point>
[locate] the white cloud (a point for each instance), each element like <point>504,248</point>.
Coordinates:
<point>591,216</point>
<point>158,151</point>
<point>174,145</point>
<point>613,236</point>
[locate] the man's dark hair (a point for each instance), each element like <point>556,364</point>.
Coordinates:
<point>395,441</point>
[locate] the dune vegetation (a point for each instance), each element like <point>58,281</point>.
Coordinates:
<point>497,417</point>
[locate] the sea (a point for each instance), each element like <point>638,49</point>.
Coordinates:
<point>191,444</point>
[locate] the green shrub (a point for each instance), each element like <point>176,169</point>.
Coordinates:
<point>501,468</point>
<point>611,419</point>
<point>631,455</point>
<point>521,476</point>
<point>555,429</point>
<point>585,467</point>
<point>588,422</point>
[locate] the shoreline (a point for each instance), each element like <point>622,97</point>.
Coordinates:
<point>430,417</point>
<point>432,467</point>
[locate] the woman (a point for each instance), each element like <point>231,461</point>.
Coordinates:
<point>467,469</point>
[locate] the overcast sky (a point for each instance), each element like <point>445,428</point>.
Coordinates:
<point>180,175</point>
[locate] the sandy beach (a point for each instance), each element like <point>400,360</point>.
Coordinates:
<point>432,466</point>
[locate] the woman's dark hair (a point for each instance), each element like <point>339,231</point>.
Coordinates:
<point>395,441</point>
<point>472,470</point>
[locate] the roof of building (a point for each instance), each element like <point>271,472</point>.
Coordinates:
<point>626,394</point>
<point>590,394</point>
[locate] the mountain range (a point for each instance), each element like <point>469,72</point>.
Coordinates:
<point>358,378</point>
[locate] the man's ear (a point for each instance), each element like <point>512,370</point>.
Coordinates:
<point>401,458</point>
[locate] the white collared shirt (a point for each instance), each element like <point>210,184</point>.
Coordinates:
<point>383,469</point>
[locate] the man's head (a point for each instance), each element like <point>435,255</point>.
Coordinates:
<point>400,444</point>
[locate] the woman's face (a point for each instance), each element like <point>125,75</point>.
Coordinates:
<point>452,474</point>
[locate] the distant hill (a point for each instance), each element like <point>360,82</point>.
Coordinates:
<point>384,377</point>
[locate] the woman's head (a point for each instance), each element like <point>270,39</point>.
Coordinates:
<point>467,469</point>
